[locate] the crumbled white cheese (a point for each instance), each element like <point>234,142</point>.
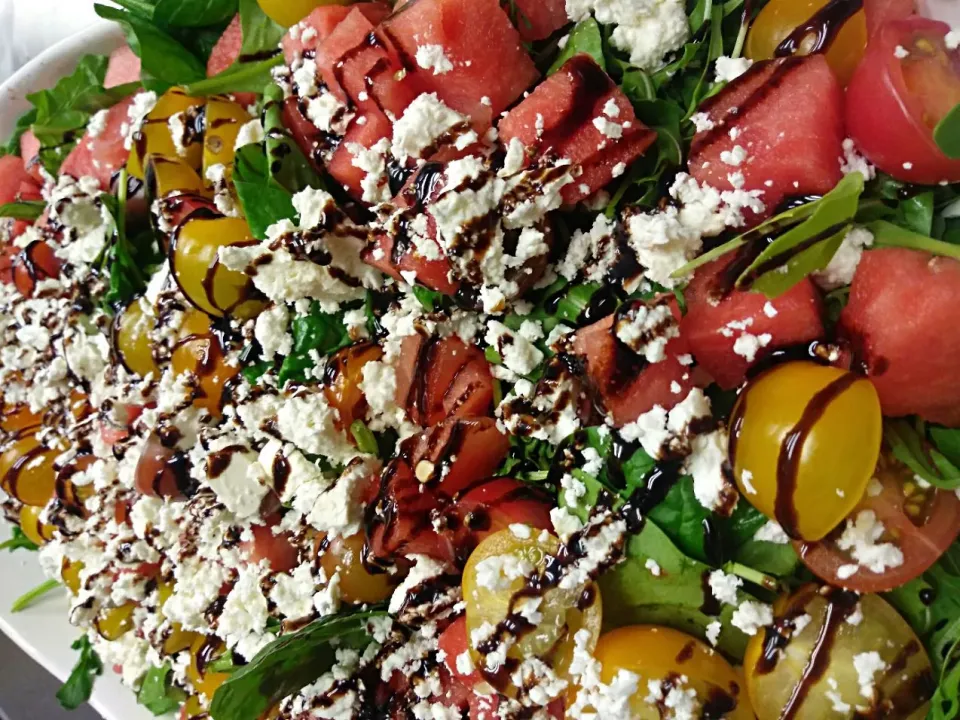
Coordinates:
<point>859,538</point>
<point>432,57</point>
<point>843,265</point>
<point>425,121</point>
<point>251,133</point>
<point>867,665</point>
<point>729,69</point>
<point>751,616</point>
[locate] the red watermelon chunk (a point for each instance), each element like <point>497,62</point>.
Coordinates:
<point>580,114</point>
<point>123,68</point>
<point>715,330</point>
<point>787,115</point>
<point>373,128</point>
<point>314,29</point>
<point>100,157</point>
<point>227,49</point>
<point>360,66</point>
<point>538,19</point>
<point>434,274</point>
<point>15,184</point>
<point>477,37</point>
<point>30,152</point>
<point>629,386</point>
<point>901,321</point>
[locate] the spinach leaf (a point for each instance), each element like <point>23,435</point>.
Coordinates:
<point>947,441</point>
<point>259,53</point>
<point>676,597</point>
<point>886,234</point>
<point>681,516</point>
<point>916,213</point>
<point>31,596</point>
<point>584,38</point>
<point>193,13</point>
<point>23,210</point>
<point>263,200</point>
<point>737,533</point>
<point>79,686</point>
<point>18,541</point>
<point>947,133</point>
<point>23,124</point>
<point>431,300</point>
<point>157,692</point>
<point>319,333</point>
<point>288,664</point>
<point>165,61</point>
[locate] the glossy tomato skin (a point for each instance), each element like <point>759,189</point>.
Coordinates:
<point>886,119</point>
<point>879,12</point>
<point>922,523</point>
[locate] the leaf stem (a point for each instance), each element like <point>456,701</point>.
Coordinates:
<point>28,598</point>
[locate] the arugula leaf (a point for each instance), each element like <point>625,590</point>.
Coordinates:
<point>23,209</point>
<point>886,234</point>
<point>193,13</point>
<point>289,167</point>
<point>259,53</point>
<point>584,38</point>
<point>632,595</point>
<point>164,60</point>
<point>79,686</point>
<point>23,124</point>
<point>29,597</point>
<point>908,442</point>
<point>18,541</point>
<point>288,664</point>
<point>429,299</point>
<point>157,692</point>
<point>947,133</point>
<point>263,200</point>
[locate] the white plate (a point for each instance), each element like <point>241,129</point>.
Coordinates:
<point>42,630</point>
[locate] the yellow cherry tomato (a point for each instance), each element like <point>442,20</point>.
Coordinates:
<point>344,556</point>
<point>290,12</point>
<point>562,613</point>
<point>70,574</point>
<point>132,338</point>
<point>16,418</point>
<point>223,122</point>
<point>779,18</point>
<point>166,175</point>
<point>27,470</point>
<point>40,533</point>
<point>804,441</point>
<point>208,284</point>
<point>177,639</point>
<point>115,622</point>
<point>204,651</point>
<point>662,656</point>
<point>343,388</point>
<point>199,352</point>
<point>807,662</point>
<point>155,138</point>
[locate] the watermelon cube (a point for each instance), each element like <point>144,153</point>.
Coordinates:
<point>627,385</point>
<point>227,49</point>
<point>490,67</point>
<point>366,130</point>
<point>901,321</point>
<point>778,128</point>
<point>580,114</point>
<point>539,19</point>
<point>101,156</point>
<point>434,274</point>
<point>16,184</point>
<point>727,333</point>
<point>363,68</point>
<point>30,152</point>
<point>123,68</point>
<point>310,33</point>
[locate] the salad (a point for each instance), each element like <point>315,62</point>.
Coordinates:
<point>452,359</point>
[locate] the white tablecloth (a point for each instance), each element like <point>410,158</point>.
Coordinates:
<point>28,27</point>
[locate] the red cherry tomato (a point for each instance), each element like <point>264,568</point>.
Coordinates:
<point>26,267</point>
<point>278,550</point>
<point>894,103</point>
<point>160,470</point>
<point>922,523</point>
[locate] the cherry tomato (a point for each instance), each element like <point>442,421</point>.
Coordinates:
<point>131,338</point>
<point>277,549</point>
<point>894,102</point>
<point>28,266</point>
<point>17,418</point>
<point>563,612</point>
<point>155,137</point>
<point>166,175</point>
<point>344,372</point>
<point>195,264</point>
<point>115,622</point>
<point>223,122</point>
<point>922,522</point>
<point>205,682</point>
<point>40,533</point>
<point>804,666</point>
<point>27,470</point>
<point>804,443</point>
<point>70,574</point>
<point>667,656</point>
<point>290,12</point>
<point>344,556</point>
<point>780,18</point>
<point>74,496</point>
<point>200,352</point>
<point>161,471</point>
<point>493,505</point>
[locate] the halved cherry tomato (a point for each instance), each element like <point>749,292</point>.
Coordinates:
<point>342,377</point>
<point>199,351</point>
<point>40,533</point>
<point>780,18</point>
<point>923,523</point>
<point>161,471</point>
<point>344,556</point>
<point>70,494</point>
<point>894,101</point>
<point>155,137</point>
<point>27,470</point>
<point>28,266</point>
<point>290,12</point>
<point>803,666</point>
<point>674,659</point>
